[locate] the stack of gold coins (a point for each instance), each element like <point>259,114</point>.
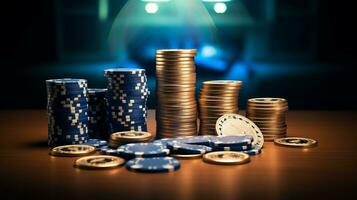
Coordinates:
<point>125,137</point>
<point>269,114</point>
<point>176,111</point>
<point>217,98</point>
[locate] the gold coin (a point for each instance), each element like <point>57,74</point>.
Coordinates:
<point>267,100</point>
<point>129,136</point>
<point>99,162</point>
<point>226,158</point>
<point>296,142</point>
<point>72,150</point>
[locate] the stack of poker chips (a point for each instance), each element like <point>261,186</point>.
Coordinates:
<point>125,137</point>
<point>269,114</point>
<point>67,110</point>
<point>216,99</point>
<point>97,126</point>
<point>176,111</point>
<point>126,99</point>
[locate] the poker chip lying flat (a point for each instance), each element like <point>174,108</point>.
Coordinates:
<point>96,143</point>
<point>252,152</point>
<point>143,150</point>
<point>182,148</point>
<point>153,165</point>
<point>231,140</point>
<point>109,151</point>
<point>234,148</point>
<point>200,140</point>
<point>164,141</point>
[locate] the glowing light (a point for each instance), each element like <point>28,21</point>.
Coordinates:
<point>103,10</point>
<point>208,51</point>
<point>220,8</point>
<point>152,8</point>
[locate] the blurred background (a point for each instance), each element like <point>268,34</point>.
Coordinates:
<point>302,50</point>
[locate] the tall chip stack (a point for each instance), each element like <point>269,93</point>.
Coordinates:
<point>126,99</point>
<point>67,110</point>
<point>269,114</point>
<point>217,98</point>
<point>176,111</point>
<point>97,126</point>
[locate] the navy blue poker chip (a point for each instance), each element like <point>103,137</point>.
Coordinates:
<point>164,141</point>
<point>143,150</point>
<point>153,165</point>
<point>232,140</point>
<point>109,151</point>
<point>253,151</point>
<point>200,140</point>
<point>233,148</point>
<point>182,148</point>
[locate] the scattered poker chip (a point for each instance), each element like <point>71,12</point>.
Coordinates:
<point>233,148</point>
<point>153,165</point>
<point>99,162</point>
<point>109,151</point>
<point>296,142</point>
<point>143,150</point>
<point>253,151</point>
<point>226,158</point>
<point>232,141</point>
<point>72,150</point>
<point>182,148</point>
<point>97,143</point>
<point>164,141</point>
<point>234,124</point>
<point>200,140</point>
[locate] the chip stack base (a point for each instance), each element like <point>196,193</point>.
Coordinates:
<point>217,98</point>
<point>67,110</point>
<point>126,99</point>
<point>176,111</point>
<point>269,114</point>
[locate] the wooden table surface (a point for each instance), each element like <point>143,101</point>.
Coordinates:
<point>329,170</point>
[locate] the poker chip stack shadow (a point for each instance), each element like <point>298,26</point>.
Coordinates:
<point>269,114</point>
<point>126,99</point>
<point>67,110</point>
<point>97,126</point>
<point>216,99</point>
<point>176,110</point>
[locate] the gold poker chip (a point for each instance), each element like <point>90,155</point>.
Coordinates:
<point>296,142</point>
<point>99,162</point>
<point>187,156</point>
<point>72,150</point>
<point>226,158</point>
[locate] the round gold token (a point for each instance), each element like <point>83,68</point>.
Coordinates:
<point>129,136</point>
<point>99,162</point>
<point>72,150</point>
<point>296,142</point>
<point>226,158</point>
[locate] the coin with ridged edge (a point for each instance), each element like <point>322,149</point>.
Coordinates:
<point>99,162</point>
<point>72,150</point>
<point>226,158</point>
<point>296,142</point>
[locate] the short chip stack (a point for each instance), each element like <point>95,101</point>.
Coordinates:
<point>126,99</point>
<point>269,114</point>
<point>67,110</point>
<point>97,126</point>
<point>176,111</point>
<point>216,99</point>
<point>125,137</point>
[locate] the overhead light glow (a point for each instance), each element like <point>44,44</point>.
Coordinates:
<point>208,51</point>
<point>151,8</point>
<point>220,8</point>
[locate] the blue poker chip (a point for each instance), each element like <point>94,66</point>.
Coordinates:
<point>253,151</point>
<point>200,140</point>
<point>233,148</point>
<point>153,165</point>
<point>108,151</point>
<point>97,143</point>
<point>232,140</point>
<point>182,148</point>
<point>143,150</point>
<point>164,141</point>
